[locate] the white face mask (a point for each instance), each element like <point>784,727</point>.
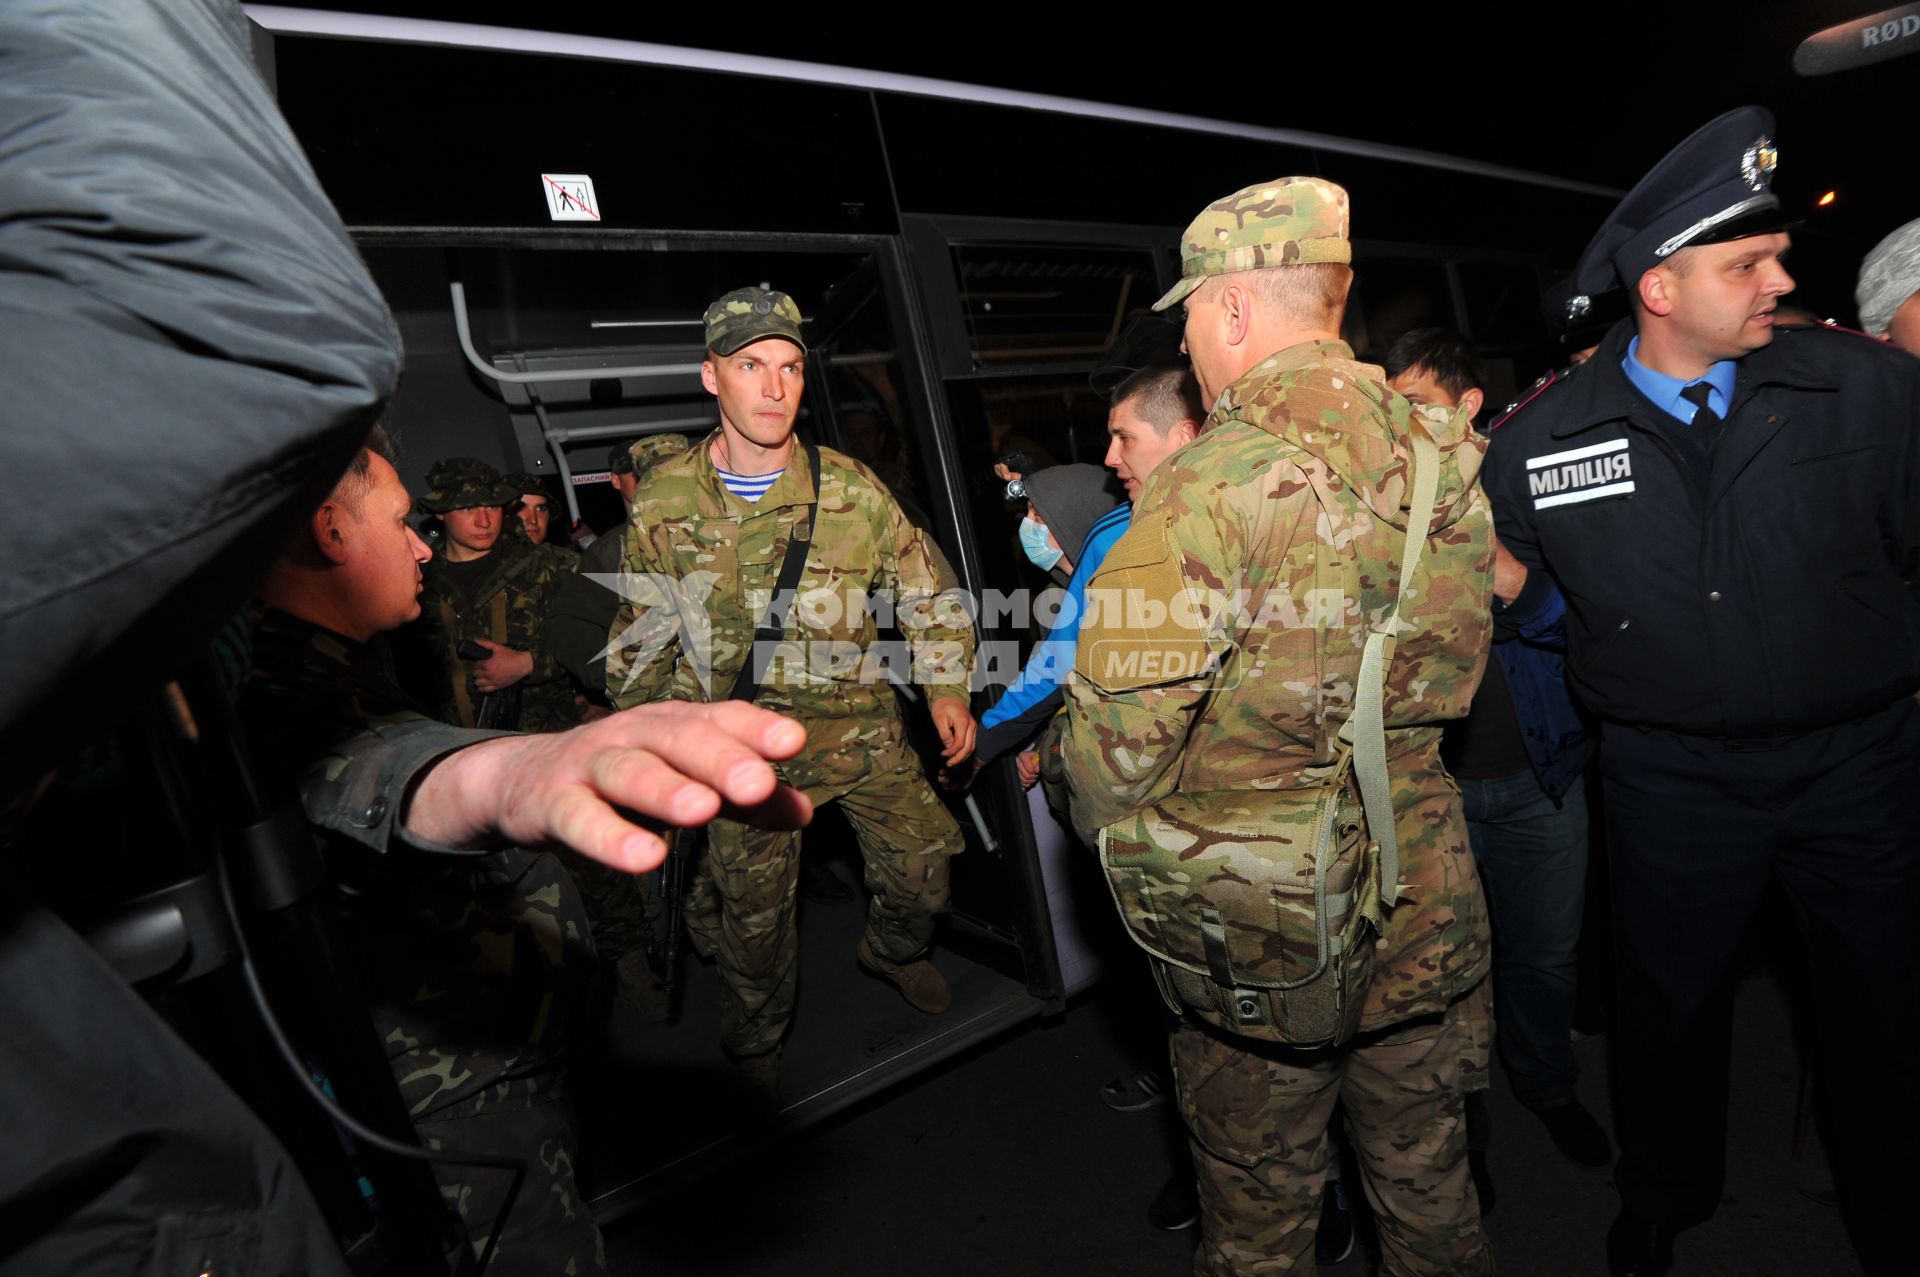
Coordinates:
<point>1033,539</point>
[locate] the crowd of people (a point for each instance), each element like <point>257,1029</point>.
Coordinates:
<point>1340,657</point>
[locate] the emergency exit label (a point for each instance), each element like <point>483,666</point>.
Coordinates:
<point>570,197</point>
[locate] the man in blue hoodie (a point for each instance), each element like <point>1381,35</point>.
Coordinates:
<point>1156,412</point>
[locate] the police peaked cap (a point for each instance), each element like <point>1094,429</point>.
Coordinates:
<point>1713,187</point>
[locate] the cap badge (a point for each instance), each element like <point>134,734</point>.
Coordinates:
<point>765,305</point>
<point>1578,305</point>
<point>1757,165</point>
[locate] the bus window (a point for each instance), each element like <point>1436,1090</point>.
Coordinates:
<point>1052,304</point>
<point>1392,296</point>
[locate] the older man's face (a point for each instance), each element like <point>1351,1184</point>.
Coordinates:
<point>383,554</point>
<point>1203,341</point>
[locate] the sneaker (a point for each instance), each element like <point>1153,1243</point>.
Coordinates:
<point>1334,1241</point>
<point>1576,1134</point>
<point>919,982</point>
<point>1134,1092</point>
<point>1177,1204</point>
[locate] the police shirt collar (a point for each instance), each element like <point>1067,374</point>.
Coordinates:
<point>1663,392</point>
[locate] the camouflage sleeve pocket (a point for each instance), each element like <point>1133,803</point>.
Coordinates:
<point>1142,627</point>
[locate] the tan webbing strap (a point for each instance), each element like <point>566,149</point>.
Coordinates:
<point>499,631</point>
<point>462,698</point>
<point>1365,729</point>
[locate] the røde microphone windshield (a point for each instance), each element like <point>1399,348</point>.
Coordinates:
<point>1859,43</point>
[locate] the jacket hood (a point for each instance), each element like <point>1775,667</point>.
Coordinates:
<point>1071,499</point>
<point>1321,399</point>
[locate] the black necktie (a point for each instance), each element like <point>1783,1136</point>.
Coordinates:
<point>1706,422</point>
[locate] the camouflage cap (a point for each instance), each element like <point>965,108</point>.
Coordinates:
<point>1292,222</point>
<point>527,484</point>
<point>652,450</point>
<point>461,483</point>
<point>746,315</point>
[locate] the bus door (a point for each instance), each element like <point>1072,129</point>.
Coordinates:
<point>1021,314</point>
<point>542,352</point>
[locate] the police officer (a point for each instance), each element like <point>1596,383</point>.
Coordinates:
<point>712,529</point>
<point>1729,511</point>
<point>1318,946</point>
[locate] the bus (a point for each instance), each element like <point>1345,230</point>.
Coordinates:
<point>548,215</point>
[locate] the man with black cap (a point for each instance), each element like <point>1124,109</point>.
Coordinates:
<point>1730,514</point>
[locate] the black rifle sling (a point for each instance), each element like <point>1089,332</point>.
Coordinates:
<point>773,626</point>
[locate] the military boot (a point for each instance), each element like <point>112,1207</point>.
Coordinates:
<point>919,982</point>
<point>636,985</point>
<point>760,1074</point>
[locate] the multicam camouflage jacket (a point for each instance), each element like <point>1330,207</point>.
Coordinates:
<point>477,964</point>
<point>1219,658</point>
<point>699,569</point>
<point>510,607</point>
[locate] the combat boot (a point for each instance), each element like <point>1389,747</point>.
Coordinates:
<point>760,1074</point>
<point>919,982</point>
<point>636,985</point>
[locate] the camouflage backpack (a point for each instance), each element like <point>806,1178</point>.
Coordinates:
<point>1280,946</point>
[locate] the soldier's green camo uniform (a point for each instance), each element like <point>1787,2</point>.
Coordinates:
<point>621,905</point>
<point>478,966</point>
<point>1295,494</point>
<point>509,607</point>
<point>725,554</point>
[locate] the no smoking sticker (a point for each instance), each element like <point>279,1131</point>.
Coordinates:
<point>570,197</point>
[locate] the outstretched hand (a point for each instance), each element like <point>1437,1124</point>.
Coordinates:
<point>674,762</point>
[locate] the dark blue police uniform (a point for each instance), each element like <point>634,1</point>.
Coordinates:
<point>1741,619</point>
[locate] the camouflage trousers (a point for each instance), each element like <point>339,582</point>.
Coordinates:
<point>550,1229</point>
<point>740,904</point>
<point>621,907</point>
<point>1257,1116</point>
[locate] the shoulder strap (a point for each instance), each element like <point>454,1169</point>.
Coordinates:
<point>462,698</point>
<point>772,626</point>
<point>1365,729</point>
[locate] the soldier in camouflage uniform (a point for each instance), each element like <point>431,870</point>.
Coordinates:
<point>534,516</point>
<point>1215,681</point>
<point>584,609</point>
<point>477,964</point>
<point>701,561</point>
<point>621,905</point>
<point>502,606</point>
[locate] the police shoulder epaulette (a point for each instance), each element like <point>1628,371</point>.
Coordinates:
<point>1825,326</point>
<point>1532,393</point>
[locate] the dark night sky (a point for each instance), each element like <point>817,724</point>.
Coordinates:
<point>1596,91</point>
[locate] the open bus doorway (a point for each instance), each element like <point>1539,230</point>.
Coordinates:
<point>541,353</point>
